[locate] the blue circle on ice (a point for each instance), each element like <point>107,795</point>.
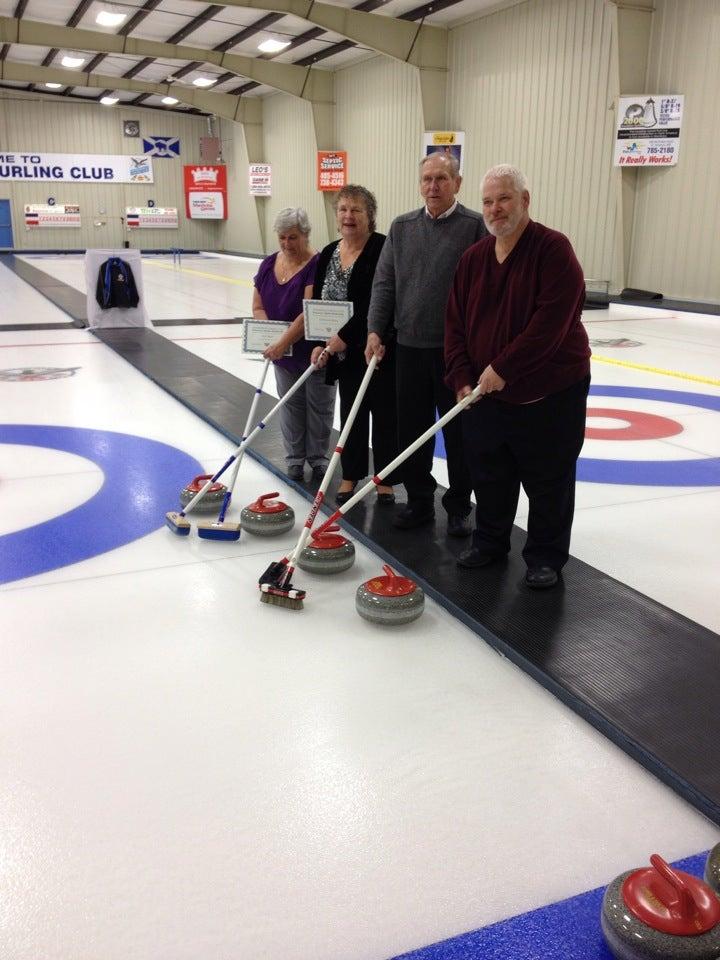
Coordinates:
<point>142,481</point>
<point>698,472</point>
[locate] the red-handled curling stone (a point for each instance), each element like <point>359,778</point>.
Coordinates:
<point>660,913</point>
<point>328,553</point>
<point>390,599</point>
<point>210,502</point>
<point>267,517</point>
<point>712,869</point>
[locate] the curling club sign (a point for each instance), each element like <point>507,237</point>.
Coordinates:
<point>75,168</point>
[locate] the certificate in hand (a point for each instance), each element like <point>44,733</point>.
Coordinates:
<point>323,318</point>
<point>259,334</point>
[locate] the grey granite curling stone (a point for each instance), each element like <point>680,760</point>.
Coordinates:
<point>212,500</point>
<point>267,517</point>
<point>390,599</point>
<point>712,869</point>
<point>660,913</point>
<point>327,553</point>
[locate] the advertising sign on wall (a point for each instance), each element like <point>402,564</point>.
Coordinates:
<point>75,168</point>
<point>151,218</point>
<point>648,130</point>
<point>449,142</point>
<point>260,179</point>
<point>52,215</point>
<point>332,168</point>
<point>205,192</point>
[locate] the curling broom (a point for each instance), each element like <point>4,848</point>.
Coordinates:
<point>275,583</point>
<point>176,520</point>
<point>220,529</point>
<point>283,569</point>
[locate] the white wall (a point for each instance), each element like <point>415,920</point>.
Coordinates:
<point>676,238</point>
<point>60,125</point>
<point>291,147</point>
<point>242,229</point>
<point>378,120</point>
<point>530,85</point>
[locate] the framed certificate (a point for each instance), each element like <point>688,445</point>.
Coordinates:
<point>259,334</point>
<point>323,318</point>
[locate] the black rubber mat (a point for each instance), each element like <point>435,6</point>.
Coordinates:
<point>639,672</point>
<point>67,298</point>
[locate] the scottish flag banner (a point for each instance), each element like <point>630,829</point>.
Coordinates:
<point>161,147</point>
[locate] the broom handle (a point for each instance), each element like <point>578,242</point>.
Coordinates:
<point>400,458</point>
<point>320,495</point>
<point>248,423</point>
<point>248,440</point>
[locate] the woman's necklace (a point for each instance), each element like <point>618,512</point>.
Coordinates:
<point>348,256</point>
<point>286,269</point>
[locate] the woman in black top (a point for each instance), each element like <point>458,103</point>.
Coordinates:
<point>345,271</point>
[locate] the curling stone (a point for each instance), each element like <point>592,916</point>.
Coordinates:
<point>212,500</point>
<point>267,517</point>
<point>329,552</point>
<point>660,913</point>
<point>712,869</point>
<point>390,599</point>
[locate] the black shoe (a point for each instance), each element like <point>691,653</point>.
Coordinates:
<point>296,472</point>
<point>541,578</point>
<point>385,498</point>
<point>318,472</point>
<point>414,515</point>
<point>341,498</point>
<point>458,526</point>
<point>472,558</point>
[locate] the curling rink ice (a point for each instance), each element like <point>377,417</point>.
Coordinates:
<point>188,773</point>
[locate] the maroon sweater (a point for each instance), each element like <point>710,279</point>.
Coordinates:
<point>522,316</point>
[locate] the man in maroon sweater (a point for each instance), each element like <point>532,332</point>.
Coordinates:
<point>513,326</point>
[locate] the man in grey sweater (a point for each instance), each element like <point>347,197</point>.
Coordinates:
<point>410,290</point>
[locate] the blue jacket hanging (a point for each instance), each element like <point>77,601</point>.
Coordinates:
<point>116,285</point>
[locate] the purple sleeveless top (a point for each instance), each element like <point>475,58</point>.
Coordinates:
<point>283,301</point>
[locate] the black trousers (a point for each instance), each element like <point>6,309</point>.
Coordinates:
<point>420,392</point>
<point>378,403</point>
<point>536,445</point>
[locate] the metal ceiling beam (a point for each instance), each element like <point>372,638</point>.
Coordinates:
<point>202,18</point>
<point>19,11</point>
<point>298,81</point>
<point>417,13</point>
<point>232,41</point>
<point>420,45</point>
<point>239,109</point>
<point>135,21</point>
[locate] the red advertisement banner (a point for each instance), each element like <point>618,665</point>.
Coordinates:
<point>205,192</point>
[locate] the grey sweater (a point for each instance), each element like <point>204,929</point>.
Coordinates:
<point>415,272</point>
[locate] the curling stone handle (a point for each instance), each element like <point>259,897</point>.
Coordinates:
<point>686,902</point>
<point>389,572</point>
<point>267,496</point>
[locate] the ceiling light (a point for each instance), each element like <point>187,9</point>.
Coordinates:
<point>108,18</point>
<point>54,86</point>
<point>68,61</point>
<point>169,101</point>
<point>109,101</point>
<point>273,46</point>
<point>204,81</point>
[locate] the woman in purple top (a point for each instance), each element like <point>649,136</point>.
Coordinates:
<point>284,279</point>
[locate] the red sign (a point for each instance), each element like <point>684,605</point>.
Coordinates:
<point>205,192</point>
<point>331,169</point>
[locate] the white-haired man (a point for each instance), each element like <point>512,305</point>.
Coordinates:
<point>513,326</point>
<point>410,291</point>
